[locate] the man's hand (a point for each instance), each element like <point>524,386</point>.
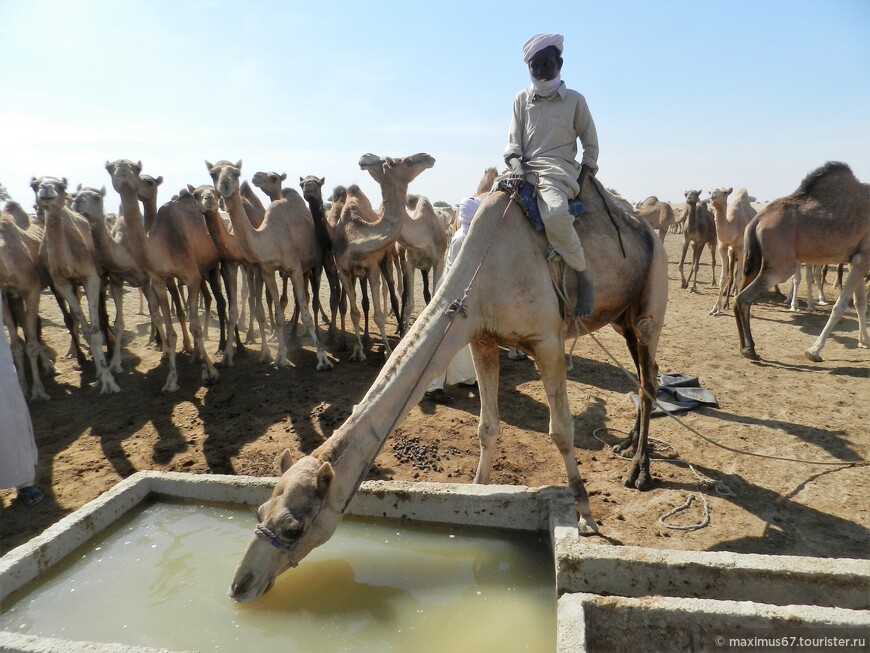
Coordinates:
<point>515,165</point>
<point>586,170</point>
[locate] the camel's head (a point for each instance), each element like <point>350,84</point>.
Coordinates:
<point>269,182</point>
<point>692,196</point>
<point>124,174</point>
<point>297,518</point>
<point>225,176</point>
<point>720,194</point>
<point>50,192</point>
<point>89,202</point>
<point>311,187</point>
<point>207,198</point>
<point>148,187</point>
<point>401,170</point>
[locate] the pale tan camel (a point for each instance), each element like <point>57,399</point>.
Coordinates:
<point>118,264</point>
<point>499,290</point>
<point>700,232</point>
<point>286,243</point>
<point>232,258</point>
<point>826,220</point>
<point>67,251</point>
<point>22,280</point>
<point>178,245</point>
<point>731,220</point>
<point>659,214</point>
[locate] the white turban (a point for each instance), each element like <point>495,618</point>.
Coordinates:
<point>539,42</point>
<point>467,209</point>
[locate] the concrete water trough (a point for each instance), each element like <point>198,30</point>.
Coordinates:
<point>603,597</point>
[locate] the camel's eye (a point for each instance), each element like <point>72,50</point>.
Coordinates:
<point>292,532</point>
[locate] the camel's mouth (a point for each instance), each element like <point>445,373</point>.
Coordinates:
<point>46,193</point>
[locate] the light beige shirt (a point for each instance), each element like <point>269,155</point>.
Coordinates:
<point>544,132</point>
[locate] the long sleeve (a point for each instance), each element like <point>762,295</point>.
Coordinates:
<point>585,128</point>
<point>516,131</point>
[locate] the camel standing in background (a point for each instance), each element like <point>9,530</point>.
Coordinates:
<point>285,243</point>
<point>67,252</point>
<point>23,276</point>
<point>731,220</point>
<point>498,291</point>
<point>826,220</point>
<point>660,215</point>
<point>700,232</point>
<point>117,262</point>
<point>178,245</point>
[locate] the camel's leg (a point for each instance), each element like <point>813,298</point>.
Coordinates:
<point>37,352</point>
<point>16,345</point>
<point>643,354</point>
<point>248,302</point>
<point>206,297</point>
<point>93,331</point>
<point>342,311</point>
<point>334,294</point>
<point>214,282</point>
<point>230,274</point>
<point>735,278</point>
<point>75,348</point>
<point>310,323</point>
<point>697,250</point>
<point>172,287</point>
<point>684,283</point>
<point>550,358</point>
<point>349,282</point>
<point>366,306</point>
<point>260,312</point>
<point>209,373</point>
<point>746,298</point>
<point>724,272</point>
<point>853,285</point>
<point>117,290</point>
<point>712,262</point>
<point>821,274</point>
<point>380,321</point>
<point>272,291</point>
<point>427,295</point>
<point>811,302</point>
<point>389,276</point>
<point>170,340</point>
<point>792,299</point>
<point>407,294</point>
<point>486,364</point>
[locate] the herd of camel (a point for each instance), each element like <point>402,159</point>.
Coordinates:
<point>503,289</point>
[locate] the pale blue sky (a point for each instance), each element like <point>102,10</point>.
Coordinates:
<point>684,94</point>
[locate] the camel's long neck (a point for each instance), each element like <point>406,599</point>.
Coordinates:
<point>321,229</point>
<point>423,353</point>
<point>225,242</point>
<point>150,207</point>
<point>242,227</point>
<point>136,235</point>
<point>692,216</point>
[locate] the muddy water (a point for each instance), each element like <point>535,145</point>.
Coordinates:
<point>159,578</point>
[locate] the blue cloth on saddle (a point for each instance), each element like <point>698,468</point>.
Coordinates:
<point>527,199</point>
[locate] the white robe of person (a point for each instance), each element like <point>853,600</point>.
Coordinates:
<point>461,366</point>
<point>17,446</point>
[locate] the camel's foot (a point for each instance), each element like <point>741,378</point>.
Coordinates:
<point>171,384</point>
<point>387,350</point>
<point>639,478</point>
<point>684,284</point>
<point>39,394</point>
<point>281,361</point>
<point>226,361</point>
<point>357,355</point>
<point>210,375</point>
<point>107,383</point>
<point>586,525</point>
<point>749,352</point>
<point>813,355</point>
<point>250,339</point>
<point>323,363</point>
<point>715,311</point>
<point>625,446</point>
<point>115,366</point>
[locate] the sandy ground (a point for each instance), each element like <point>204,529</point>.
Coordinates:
<point>783,407</point>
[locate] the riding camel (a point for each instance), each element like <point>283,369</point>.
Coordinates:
<point>731,220</point>
<point>285,243</point>
<point>178,245</point>
<point>67,252</point>
<point>660,215</point>
<point>826,220</point>
<point>498,291</point>
<point>699,232</point>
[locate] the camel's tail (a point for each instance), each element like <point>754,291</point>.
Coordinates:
<point>751,253</point>
<point>486,182</point>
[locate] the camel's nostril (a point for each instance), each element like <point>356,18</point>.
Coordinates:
<point>241,586</point>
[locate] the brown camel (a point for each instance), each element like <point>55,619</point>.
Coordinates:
<point>659,214</point>
<point>22,280</point>
<point>232,258</point>
<point>700,231</point>
<point>286,242</point>
<point>498,291</point>
<point>14,210</point>
<point>731,220</point>
<point>178,245</point>
<point>117,262</point>
<point>67,251</point>
<point>826,220</point>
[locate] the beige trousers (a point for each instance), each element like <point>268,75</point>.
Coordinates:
<point>559,224</point>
